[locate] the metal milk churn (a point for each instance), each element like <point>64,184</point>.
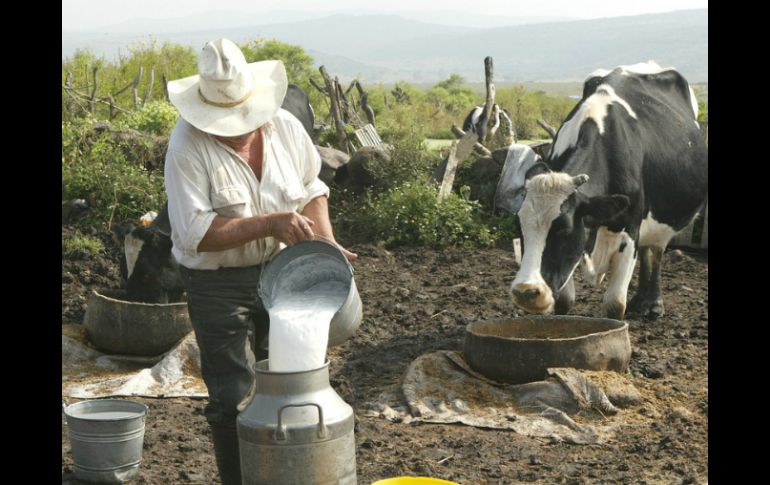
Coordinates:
<point>296,431</point>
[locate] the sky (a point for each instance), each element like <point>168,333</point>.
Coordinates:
<point>88,14</point>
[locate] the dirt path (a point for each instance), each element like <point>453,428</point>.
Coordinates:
<point>417,301</point>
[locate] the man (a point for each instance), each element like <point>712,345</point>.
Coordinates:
<point>241,176</point>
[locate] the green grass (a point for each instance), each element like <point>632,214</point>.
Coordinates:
<point>78,243</point>
<point>435,144</point>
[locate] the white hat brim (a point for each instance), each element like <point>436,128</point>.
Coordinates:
<point>270,84</point>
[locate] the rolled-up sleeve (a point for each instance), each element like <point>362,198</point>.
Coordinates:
<point>189,206</point>
<point>314,186</point>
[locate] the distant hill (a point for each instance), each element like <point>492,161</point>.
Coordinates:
<point>390,48</point>
<point>561,51</point>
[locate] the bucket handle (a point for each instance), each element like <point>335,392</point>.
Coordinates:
<point>280,430</point>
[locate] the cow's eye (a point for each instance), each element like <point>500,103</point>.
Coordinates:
<point>561,226</point>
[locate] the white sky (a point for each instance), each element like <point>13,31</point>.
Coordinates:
<point>84,14</point>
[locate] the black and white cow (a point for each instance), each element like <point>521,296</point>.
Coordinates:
<point>149,268</point>
<point>628,169</point>
<point>475,124</point>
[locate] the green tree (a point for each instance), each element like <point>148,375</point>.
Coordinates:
<point>298,63</point>
<point>452,82</point>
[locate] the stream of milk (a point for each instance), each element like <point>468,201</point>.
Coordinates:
<point>299,327</point>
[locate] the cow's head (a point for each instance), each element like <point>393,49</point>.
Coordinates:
<point>552,219</point>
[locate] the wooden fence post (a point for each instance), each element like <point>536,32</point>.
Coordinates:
<point>136,88</point>
<point>335,109</point>
<point>457,154</point>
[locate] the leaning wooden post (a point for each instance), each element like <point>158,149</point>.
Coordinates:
<point>335,109</point>
<point>149,87</point>
<point>112,107</point>
<point>548,128</point>
<point>136,88</point>
<point>165,88</point>
<point>481,127</point>
<point>86,75</point>
<point>343,102</point>
<point>315,84</point>
<point>92,101</point>
<point>477,146</point>
<point>365,103</point>
<point>457,154</point>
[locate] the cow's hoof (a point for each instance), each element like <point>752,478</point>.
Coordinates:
<point>615,309</point>
<point>655,310</point>
<point>636,305</point>
<point>646,308</point>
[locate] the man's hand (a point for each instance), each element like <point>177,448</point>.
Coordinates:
<point>351,256</point>
<point>289,227</point>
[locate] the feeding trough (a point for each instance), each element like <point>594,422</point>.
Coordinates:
<point>520,350</point>
<point>127,327</point>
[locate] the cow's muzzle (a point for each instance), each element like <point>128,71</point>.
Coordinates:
<point>533,298</point>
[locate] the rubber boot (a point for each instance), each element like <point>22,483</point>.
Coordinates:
<point>227,454</point>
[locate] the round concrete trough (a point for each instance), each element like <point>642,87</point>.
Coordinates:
<point>520,350</point>
<point>117,326</point>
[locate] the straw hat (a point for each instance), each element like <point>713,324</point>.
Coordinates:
<point>228,96</point>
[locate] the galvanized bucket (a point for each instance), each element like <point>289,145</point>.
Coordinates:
<point>106,438</point>
<point>307,264</point>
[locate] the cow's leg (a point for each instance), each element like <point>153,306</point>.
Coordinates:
<point>621,269</point>
<point>649,303</point>
<point>636,305</point>
<point>566,298</point>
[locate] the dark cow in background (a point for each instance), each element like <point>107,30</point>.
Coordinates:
<point>628,169</point>
<point>149,268</point>
<point>297,103</point>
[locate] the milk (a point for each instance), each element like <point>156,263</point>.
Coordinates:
<point>299,326</point>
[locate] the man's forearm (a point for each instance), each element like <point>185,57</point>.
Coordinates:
<point>318,211</point>
<point>228,233</point>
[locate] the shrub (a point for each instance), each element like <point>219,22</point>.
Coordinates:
<point>411,215</point>
<point>97,168</point>
<point>156,117</point>
<point>409,162</point>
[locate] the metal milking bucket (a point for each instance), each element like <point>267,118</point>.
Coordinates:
<point>106,438</point>
<point>305,265</point>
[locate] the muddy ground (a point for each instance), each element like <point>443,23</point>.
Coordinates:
<point>418,300</point>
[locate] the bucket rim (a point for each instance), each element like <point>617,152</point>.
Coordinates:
<point>287,373</point>
<point>268,277</point>
<point>141,409</point>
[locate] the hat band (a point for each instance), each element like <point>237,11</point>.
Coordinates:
<point>223,105</point>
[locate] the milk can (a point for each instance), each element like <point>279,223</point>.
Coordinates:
<point>296,430</point>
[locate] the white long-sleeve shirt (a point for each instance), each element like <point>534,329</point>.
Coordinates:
<point>204,177</point>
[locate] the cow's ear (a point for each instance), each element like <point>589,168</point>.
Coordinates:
<point>602,209</point>
<point>537,169</point>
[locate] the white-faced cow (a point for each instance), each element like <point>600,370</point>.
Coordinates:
<point>627,170</point>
